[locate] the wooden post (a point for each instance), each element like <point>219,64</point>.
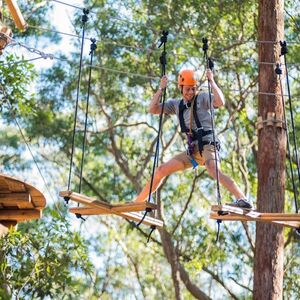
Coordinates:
<point>16,14</point>
<point>268,258</point>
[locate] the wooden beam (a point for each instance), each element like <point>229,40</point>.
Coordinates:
<point>120,207</point>
<point>21,200</point>
<point>20,215</point>
<point>88,211</point>
<point>290,221</point>
<point>134,216</point>
<point>16,14</point>
<point>256,215</point>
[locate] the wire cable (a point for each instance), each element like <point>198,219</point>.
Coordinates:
<point>93,48</point>
<point>84,21</point>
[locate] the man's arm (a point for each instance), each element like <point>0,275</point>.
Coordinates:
<point>155,106</point>
<point>219,99</point>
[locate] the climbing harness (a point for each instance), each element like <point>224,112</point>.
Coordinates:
<point>199,132</point>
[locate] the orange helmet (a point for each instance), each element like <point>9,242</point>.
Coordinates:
<point>187,77</point>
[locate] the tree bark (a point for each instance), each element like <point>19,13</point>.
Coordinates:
<point>268,259</point>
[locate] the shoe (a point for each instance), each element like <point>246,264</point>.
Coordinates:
<point>242,203</point>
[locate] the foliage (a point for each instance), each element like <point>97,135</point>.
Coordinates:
<point>120,147</point>
<point>44,259</point>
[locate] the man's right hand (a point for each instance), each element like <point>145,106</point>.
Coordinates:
<point>163,82</point>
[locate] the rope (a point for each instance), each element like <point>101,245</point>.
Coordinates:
<point>209,65</point>
<point>278,71</point>
<point>84,20</point>
<point>93,48</point>
<point>163,61</point>
<point>284,51</point>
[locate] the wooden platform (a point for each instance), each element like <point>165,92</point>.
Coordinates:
<point>126,210</point>
<point>19,201</point>
<point>230,213</point>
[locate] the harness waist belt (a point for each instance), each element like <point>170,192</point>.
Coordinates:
<point>197,133</point>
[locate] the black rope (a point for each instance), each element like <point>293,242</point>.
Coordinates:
<point>210,65</point>
<point>153,227</point>
<point>284,51</point>
<point>79,216</point>
<point>84,20</point>
<point>93,48</point>
<point>278,71</point>
<point>148,210</point>
<point>163,61</point>
<point>218,230</point>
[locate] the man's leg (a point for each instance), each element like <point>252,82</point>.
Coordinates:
<point>161,172</point>
<point>225,180</point>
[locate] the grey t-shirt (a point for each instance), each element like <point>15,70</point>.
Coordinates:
<point>203,111</point>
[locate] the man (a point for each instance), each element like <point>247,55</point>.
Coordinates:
<point>194,114</point>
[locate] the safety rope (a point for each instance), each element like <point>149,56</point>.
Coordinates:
<point>163,61</point>
<point>284,51</point>
<point>93,48</point>
<point>84,20</point>
<point>210,65</point>
<point>278,71</point>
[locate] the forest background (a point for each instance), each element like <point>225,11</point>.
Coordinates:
<point>60,256</point>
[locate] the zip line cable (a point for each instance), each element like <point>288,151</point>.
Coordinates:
<point>84,20</point>
<point>130,74</point>
<point>179,35</point>
<point>112,42</point>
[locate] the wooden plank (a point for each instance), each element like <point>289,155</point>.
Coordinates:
<point>256,215</point>
<point>16,14</point>
<point>20,215</point>
<point>15,185</point>
<point>293,222</point>
<point>84,199</point>
<point>133,207</point>
<point>134,216</point>
<point>120,207</point>
<point>21,200</point>
<point>88,211</point>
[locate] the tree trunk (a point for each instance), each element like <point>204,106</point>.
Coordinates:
<point>268,260</point>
